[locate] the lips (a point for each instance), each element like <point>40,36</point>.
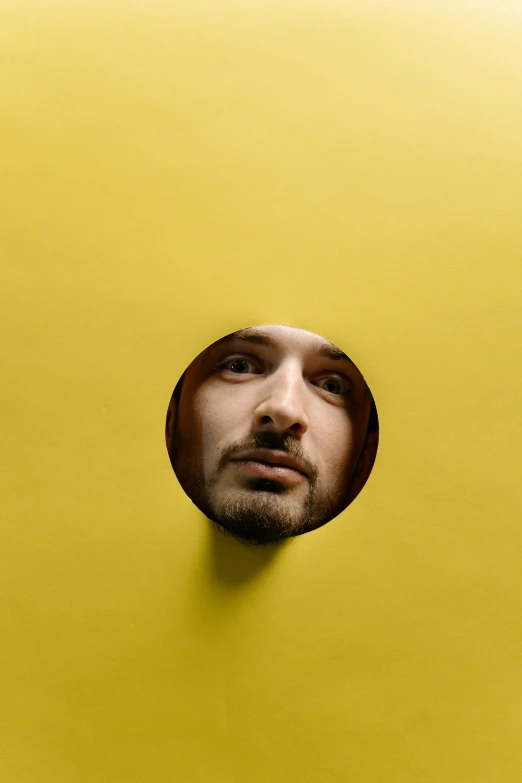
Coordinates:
<point>270,464</point>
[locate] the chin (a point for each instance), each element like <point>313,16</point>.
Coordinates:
<point>261,517</point>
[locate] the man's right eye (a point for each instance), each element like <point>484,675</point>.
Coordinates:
<point>238,365</point>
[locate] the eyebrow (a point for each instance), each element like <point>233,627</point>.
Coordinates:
<point>257,337</point>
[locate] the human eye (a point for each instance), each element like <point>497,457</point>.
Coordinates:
<point>335,385</point>
<point>238,365</point>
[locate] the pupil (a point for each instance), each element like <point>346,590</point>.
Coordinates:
<point>333,386</point>
<point>240,362</point>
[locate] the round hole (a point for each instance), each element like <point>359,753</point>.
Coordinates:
<point>272,431</point>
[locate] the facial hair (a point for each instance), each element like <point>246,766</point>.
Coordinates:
<point>264,511</point>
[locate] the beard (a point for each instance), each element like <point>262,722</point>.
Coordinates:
<point>262,511</point>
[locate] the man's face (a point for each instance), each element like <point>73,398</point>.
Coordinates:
<point>269,436</point>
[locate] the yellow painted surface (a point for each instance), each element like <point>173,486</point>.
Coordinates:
<point>173,171</point>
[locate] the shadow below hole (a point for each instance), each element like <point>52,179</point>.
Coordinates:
<point>234,562</point>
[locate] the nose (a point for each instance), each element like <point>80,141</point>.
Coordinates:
<point>282,407</point>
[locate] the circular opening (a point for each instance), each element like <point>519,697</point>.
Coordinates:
<point>272,431</point>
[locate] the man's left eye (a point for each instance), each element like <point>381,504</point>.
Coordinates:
<point>334,385</point>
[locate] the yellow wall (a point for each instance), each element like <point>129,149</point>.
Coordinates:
<point>174,171</point>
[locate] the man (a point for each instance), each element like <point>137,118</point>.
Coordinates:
<point>272,432</point>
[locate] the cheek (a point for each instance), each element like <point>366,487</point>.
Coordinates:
<point>215,415</point>
<point>218,421</point>
<point>337,446</point>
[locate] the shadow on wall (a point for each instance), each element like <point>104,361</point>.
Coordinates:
<point>232,563</point>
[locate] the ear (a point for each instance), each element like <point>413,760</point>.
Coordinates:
<point>364,464</point>
<point>169,426</point>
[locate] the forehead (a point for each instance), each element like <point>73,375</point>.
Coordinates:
<point>284,339</point>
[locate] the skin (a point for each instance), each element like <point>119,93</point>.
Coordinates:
<point>276,390</point>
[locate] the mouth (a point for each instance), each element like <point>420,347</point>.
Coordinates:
<point>273,465</point>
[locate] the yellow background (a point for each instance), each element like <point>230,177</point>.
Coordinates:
<point>173,171</point>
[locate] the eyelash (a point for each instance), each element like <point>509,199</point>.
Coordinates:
<point>347,386</point>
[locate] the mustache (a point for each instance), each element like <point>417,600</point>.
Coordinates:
<point>277,441</point>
